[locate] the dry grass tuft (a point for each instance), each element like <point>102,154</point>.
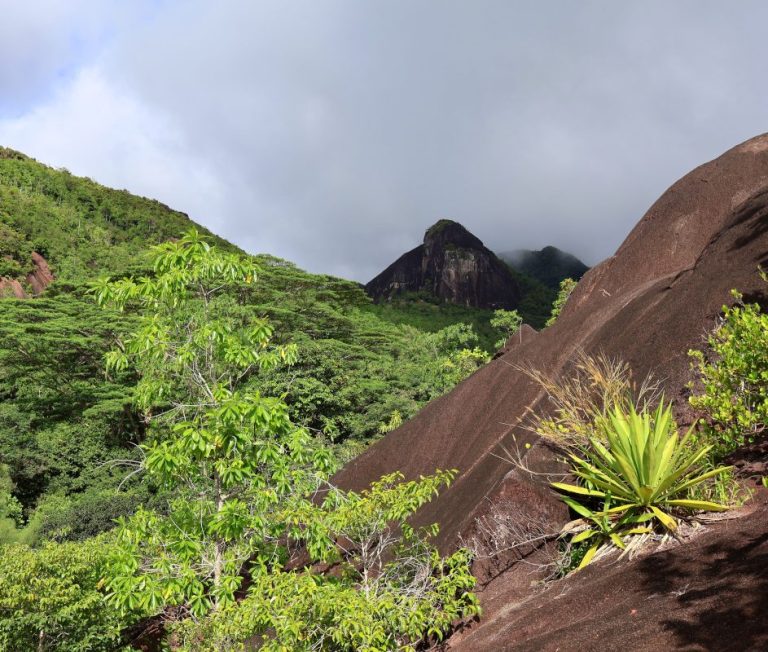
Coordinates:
<point>581,401</point>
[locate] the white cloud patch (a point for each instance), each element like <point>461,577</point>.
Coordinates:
<point>94,128</point>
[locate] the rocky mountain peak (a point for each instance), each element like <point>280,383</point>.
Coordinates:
<point>452,264</point>
<point>445,232</point>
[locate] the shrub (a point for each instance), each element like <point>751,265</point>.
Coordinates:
<point>567,285</point>
<point>641,475</point>
<point>733,376</point>
<point>50,599</point>
<point>389,588</point>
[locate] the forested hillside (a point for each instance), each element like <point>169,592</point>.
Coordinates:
<point>74,437</point>
<point>68,431</point>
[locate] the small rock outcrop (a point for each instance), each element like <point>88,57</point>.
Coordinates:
<point>453,265</point>
<point>38,279</point>
<point>10,287</point>
<point>41,277</point>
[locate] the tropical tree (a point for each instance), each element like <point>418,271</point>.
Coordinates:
<point>507,322</point>
<point>231,457</point>
<point>247,485</point>
<point>567,285</point>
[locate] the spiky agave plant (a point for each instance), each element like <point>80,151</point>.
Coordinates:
<point>642,474</point>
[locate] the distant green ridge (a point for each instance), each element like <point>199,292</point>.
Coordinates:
<point>549,265</point>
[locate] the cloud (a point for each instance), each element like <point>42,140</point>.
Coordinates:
<point>92,120</point>
<point>334,133</point>
<point>43,43</point>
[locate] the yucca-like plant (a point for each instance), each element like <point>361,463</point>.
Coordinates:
<point>643,473</point>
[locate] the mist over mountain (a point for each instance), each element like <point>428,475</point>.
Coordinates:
<point>549,265</point>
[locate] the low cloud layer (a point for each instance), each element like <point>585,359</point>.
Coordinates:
<point>334,133</point>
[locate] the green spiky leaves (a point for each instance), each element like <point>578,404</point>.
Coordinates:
<point>642,474</point>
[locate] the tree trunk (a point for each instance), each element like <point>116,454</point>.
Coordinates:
<point>218,555</point>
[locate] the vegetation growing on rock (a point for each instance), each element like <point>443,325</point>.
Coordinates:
<point>732,376</point>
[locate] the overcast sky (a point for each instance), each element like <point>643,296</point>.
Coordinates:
<point>334,132</point>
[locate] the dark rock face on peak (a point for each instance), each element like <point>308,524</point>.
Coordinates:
<point>453,265</point>
<point>648,305</point>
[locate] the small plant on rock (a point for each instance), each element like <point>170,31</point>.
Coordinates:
<point>641,476</point>
<point>580,401</point>
<point>567,286</point>
<point>507,323</point>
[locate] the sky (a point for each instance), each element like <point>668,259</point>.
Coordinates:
<point>333,132</point>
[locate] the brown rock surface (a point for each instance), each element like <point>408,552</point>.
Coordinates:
<point>648,304</point>
<point>38,279</point>
<point>11,288</point>
<point>711,593</point>
<point>524,334</point>
<point>42,276</point>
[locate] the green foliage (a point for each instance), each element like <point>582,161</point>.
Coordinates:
<point>733,377</point>
<point>507,322</point>
<point>15,252</point>
<point>11,516</point>
<point>230,456</point>
<point>395,421</point>
<point>50,599</point>
<point>355,370</point>
<point>10,508</point>
<point>241,477</point>
<point>61,419</point>
<point>536,300</point>
<point>303,611</point>
<point>723,488</point>
<point>422,311</point>
<point>84,515</point>
<point>642,474</point>
<point>389,590</point>
<point>567,286</point>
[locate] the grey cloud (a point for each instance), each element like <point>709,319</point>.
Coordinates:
<point>339,130</point>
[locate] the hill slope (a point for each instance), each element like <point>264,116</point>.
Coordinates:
<point>708,234</point>
<point>62,419</point>
<point>81,228</point>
